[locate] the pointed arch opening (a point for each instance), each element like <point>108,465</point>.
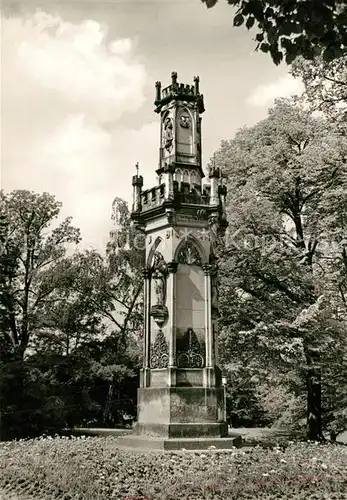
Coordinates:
<point>185,131</point>
<point>153,250</point>
<point>190,252</point>
<point>178,175</point>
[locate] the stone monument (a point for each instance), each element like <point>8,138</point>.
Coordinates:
<point>181,398</point>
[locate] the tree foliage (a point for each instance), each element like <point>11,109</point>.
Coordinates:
<point>71,321</point>
<point>112,284</point>
<point>325,87</point>
<point>30,252</point>
<point>282,271</point>
<point>288,29</point>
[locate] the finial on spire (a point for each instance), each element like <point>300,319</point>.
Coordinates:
<point>174,78</point>
<point>158,91</point>
<point>196,81</point>
<point>137,168</point>
<point>215,172</point>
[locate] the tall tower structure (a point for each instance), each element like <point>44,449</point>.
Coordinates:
<point>181,398</point>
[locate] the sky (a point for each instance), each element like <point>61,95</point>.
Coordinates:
<point>77,92</point>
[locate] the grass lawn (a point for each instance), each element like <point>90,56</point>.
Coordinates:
<point>94,469</point>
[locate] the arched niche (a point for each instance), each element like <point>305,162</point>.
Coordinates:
<point>193,177</point>
<point>190,252</point>
<point>186,176</point>
<point>178,175</point>
<point>154,248</point>
<point>185,131</point>
<point>167,132</point>
<point>190,289</point>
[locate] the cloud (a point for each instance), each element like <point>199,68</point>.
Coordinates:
<point>76,61</point>
<point>93,166</point>
<point>61,83</point>
<point>265,94</point>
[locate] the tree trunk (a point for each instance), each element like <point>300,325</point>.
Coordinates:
<point>108,403</point>
<point>312,353</point>
<point>333,436</point>
<point>314,394</point>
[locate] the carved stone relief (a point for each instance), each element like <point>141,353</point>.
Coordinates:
<point>190,353</point>
<point>191,218</point>
<point>159,271</point>
<point>159,355</point>
<point>214,222</point>
<point>185,120</point>
<point>168,133</point>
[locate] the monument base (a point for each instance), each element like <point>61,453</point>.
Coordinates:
<point>170,412</point>
<point>176,418</point>
<point>144,443</point>
<point>182,430</point>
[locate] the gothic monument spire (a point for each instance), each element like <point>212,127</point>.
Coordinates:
<point>180,397</point>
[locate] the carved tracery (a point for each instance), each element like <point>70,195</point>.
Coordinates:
<point>189,254</point>
<point>159,357</point>
<point>190,352</point>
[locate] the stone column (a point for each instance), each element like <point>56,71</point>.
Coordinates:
<point>208,316</point>
<point>215,343</point>
<point>168,181</point>
<point>172,268</point>
<point>157,91</point>
<point>137,190</point>
<point>214,175</point>
<point>147,325</point>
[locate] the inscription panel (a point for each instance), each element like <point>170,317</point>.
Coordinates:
<point>189,378</point>
<point>158,378</point>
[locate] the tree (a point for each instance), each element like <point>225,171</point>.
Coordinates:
<point>114,283</point>
<point>8,268</point>
<point>76,316</point>
<point>102,287</point>
<point>30,253</point>
<point>325,87</point>
<point>68,321</point>
<point>290,29</point>
<point>287,213</point>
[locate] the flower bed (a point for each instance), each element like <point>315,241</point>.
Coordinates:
<point>94,469</point>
